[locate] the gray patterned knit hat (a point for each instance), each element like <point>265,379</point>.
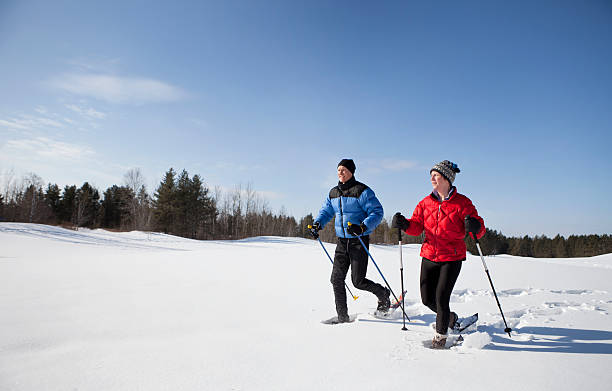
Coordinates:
<point>448,170</point>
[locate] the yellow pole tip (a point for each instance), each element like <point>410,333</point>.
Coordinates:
<point>309,226</point>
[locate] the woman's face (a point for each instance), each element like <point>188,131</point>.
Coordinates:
<point>344,174</point>
<point>439,183</point>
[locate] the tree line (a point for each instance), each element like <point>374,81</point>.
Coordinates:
<point>181,205</point>
<point>541,246</point>
<point>184,206</point>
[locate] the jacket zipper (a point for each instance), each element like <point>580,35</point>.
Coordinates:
<point>341,214</point>
<point>437,228</point>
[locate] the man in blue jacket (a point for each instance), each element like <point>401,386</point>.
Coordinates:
<point>354,202</point>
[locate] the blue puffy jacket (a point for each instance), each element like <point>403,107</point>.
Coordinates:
<point>352,201</point>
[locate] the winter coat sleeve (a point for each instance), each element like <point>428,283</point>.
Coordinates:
<point>372,207</point>
<point>326,213</point>
<point>416,221</point>
<point>470,210</point>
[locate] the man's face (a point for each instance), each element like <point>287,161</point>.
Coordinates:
<point>344,174</point>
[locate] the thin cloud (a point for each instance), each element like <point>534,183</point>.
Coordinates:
<point>88,112</point>
<point>15,124</point>
<point>44,148</point>
<point>44,122</point>
<point>95,64</point>
<point>115,89</point>
<point>41,110</point>
<point>29,123</point>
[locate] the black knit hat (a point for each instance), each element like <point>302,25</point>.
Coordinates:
<point>447,169</point>
<point>349,164</point>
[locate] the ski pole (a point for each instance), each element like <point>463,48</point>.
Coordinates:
<point>377,268</point>
<point>330,259</point>
<point>507,329</point>
<point>399,237</point>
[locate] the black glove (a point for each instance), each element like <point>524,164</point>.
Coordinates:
<point>399,221</point>
<point>472,225</point>
<point>357,230</point>
<point>314,229</point>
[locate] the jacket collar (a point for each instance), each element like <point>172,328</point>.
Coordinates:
<point>350,183</point>
<point>451,193</point>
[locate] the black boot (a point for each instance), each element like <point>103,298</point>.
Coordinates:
<point>453,323</point>
<point>343,318</point>
<point>384,302</point>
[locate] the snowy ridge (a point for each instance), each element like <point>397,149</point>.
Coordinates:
<point>98,237</point>
<point>99,310</point>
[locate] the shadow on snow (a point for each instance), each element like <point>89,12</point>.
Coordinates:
<point>553,339</point>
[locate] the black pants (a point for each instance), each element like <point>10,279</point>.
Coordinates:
<point>350,252</point>
<point>437,282</point>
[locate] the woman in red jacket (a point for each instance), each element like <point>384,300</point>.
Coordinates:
<point>445,216</point>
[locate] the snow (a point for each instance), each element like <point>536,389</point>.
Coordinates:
<point>97,310</point>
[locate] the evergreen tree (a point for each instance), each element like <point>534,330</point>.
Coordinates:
<point>185,206</point>
<point>591,245</point>
<point>501,244</point>
<point>67,204</point>
<point>194,207</point>
<point>204,206</point>
<point>542,247</point>
<point>53,199</point>
<point>116,207</point>
<point>165,203</point>
<point>523,247</point>
<point>559,249</point>
<point>572,246</point>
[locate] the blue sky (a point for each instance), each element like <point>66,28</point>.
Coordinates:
<point>276,93</point>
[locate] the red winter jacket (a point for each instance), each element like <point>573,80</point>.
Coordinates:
<point>443,222</point>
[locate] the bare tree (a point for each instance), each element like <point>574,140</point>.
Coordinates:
<point>144,211</point>
<point>33,183</point>
<point>216,199</point>
<point>135,181</point>
<point>11,187</point>
<point>250,212</point>
<point>236,202</point>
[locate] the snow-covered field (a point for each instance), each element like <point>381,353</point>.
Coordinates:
<point>96,310</point>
